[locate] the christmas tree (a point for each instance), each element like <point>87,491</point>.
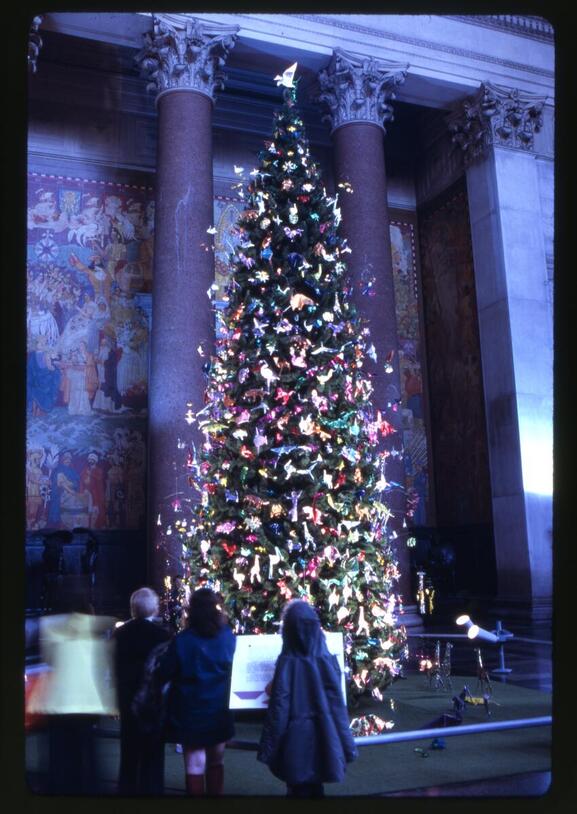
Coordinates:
<point>291,477</point>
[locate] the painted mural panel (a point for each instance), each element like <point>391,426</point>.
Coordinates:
<point>454,364</point>
<point>410,364</point>
<point>89,272</point>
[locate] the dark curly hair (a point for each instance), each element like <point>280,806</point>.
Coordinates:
<point>204,614</point>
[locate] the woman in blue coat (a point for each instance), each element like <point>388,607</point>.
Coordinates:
<point>198,663</point>
<point>306,739</point>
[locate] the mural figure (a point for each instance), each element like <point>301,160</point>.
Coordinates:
<point>107,398</point>
<point>413,388</point>
<point>115,491</point>
<point>92,480</point>
<point>36,488</point>
<point>99,277</point>
<point>43,377</point>
<point>64,486</point>
<point>76,392</point>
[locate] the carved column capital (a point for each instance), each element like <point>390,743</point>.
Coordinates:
<point>359,89</point>
<point>496,116</point>
<point>34,43</point>
<point>189,58</point>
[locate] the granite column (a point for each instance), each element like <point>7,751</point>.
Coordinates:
<point>185,66</point>
<point>358,94</point>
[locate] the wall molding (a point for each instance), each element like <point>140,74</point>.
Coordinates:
<point>448,49</point>
<point>536,28</point>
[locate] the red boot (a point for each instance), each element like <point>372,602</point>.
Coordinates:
<point>195,785</point>
<point>215,780</point>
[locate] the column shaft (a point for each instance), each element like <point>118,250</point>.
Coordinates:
<point>360,159</point>
<point>182,316</point>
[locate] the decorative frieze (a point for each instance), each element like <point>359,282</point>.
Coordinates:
<point>34,43</point>
<point>359,89</point>
<point>499,116</point>
<point>189,58</point>
<point>525,25</point>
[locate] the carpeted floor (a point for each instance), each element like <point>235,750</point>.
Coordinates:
<point>410,704</point>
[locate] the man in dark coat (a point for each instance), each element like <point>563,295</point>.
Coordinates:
<point>141,754</point>
<point>306,739</point>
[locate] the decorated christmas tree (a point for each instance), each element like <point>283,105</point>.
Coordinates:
<point>291,488</point>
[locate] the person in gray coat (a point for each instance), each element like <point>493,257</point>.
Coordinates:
<point>306,740</point>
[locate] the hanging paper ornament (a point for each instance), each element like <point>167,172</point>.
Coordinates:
<point>333,598</point>
<point>259,440</point>
<point>273,559</point>
<point>226,528</point>
<point>268,374</point>
<point>255,570</point>
<point>287,78</point>
<point>389,362</point>
<point>309,539</point>
<point>293,545</point>
<point>342,614</point>
<point>294,505</point>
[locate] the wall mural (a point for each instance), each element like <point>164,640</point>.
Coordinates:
<point>410,356</point>
<point>455,377</point>
<point>90,248</point>
<point>89,273</point>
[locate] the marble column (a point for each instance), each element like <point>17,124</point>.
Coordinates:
<point>496,130</point>
<point>184,66</point>
<point>358,95</point>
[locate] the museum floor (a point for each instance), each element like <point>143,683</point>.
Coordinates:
<point>512,763</point>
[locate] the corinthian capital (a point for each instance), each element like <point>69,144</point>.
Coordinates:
<point>496,115</point>
<point>189,58</point>
<point>34,43</point>
<point>359,90</point>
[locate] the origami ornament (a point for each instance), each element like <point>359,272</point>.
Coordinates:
<point>298,301</point>
<point>309,540</point>
<point>287,78</point>
<point>333,597</point>
<point>273,560</point>
<point>259,439</point>
<point>342,614</point>
<point>293,515</point>
<point>255,570</point>
<point>362,624</point>
<point>268,374</point>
